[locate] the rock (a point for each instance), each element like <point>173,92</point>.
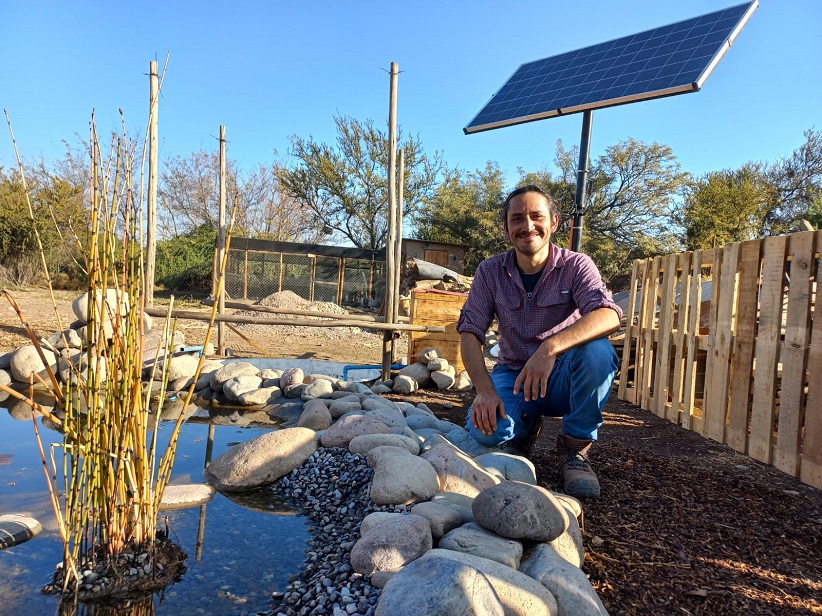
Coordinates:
<point>234,387</point>
<point>315,416</point>
<point>291,376</point>
<point>381,388</point>
<point>293,391</point>
<point>270,373</point>
<point>5,360</point>
<point>508,467</point>
<point>463,381</point>
<point>421,422</point>
<point>463,440</point>
<point>568,584</point>
<point>390,417</point>
<point>438,363</point>
<point>380,578</point>
<point>229,371</point>
<point>569,544</point>
<point>377,517</point>
<point>346,428</point>
<point>571,503</point>
<point>427,354</point>
<point>373,403</point>
<point>26,361</point>
<point>438,587</point>
<point>182,366</point>
<point>443,379</point>
<point>319,388</point>
<point>262,460</point>
<point>457,472</point>
<point>446,426</point>
<point>519,594</point>
<point>67,339</point>
<point>473,539</point>
<point>186,495</point>
<point>441,518</point>
<point>404,384</point>
<point>391,545</point>
<point>208,369</point>
<point>262,396</point>
<point>400,477</point>
<point>16,528</point>
<point>341,406</point>
<point>180,384</point>
<point>113,299</point>
<point>520,511</point>
<point>5,379</point>
<point>458,502</point>
<point>419,372</point>
<point>366,442</point>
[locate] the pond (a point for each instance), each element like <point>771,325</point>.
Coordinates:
<point>240,548</point>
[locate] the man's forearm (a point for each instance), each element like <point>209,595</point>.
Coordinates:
<point>474,362</point>
<point>595,324</point>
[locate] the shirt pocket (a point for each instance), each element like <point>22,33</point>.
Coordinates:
<point>554,297</point>
<point>506,302</point>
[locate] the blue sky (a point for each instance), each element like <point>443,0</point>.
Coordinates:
<point>270,69</point>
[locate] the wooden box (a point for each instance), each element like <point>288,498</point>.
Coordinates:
<point>433,307</point>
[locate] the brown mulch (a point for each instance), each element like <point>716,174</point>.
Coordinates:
<point>685,525</point>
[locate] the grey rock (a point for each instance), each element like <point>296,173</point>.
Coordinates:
<point>376,517</point>
<point>319,388</point>
<point>68,338</point>
<point>16,528</point>
<point>391,545</point>
<point>342,406</point>
<point>568,584</point>
<point>417,371</point>
<point>346,428</point>
<point>182,496</point>
<point>463,382</point>
<point>463,440</point>
<point>373,403</point>
<point>234,387</point>
<point>262,460</point>
<point>315,416</point>
<point>400,477</point>
<point>460,503</point>
<point>427,354</point>
<point>438,587</point>
<point>520,511</point>
<point>417,422</point>
<point>458,472</point>
<point>438,363</point>
<point>291,376</point>
<point>404,384</point>
<point>364,443</point>
<point>473,539</point>
<point>390,417</point>
<point>25,361</point>
<point>182,366</point>
<point>224,373</point>
<point>260,397</point>
<point>441,518</point>
<point>508,467</point>
<point>5,360</point>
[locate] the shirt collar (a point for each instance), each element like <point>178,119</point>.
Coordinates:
<point>555,261</point>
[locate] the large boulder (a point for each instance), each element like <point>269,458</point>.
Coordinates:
<point>346,428</point>
<point>391,545</point>
<point>438,587</point>
<point>458,472</point>
<point>400,477</point>
<point>26,362</point>
<point>473,539</point>
<point>229,371</point>
<point>366,442</point>
<point>315,416</point>
<point>441,517</point>
<point>262,460</point>
<point>520,511</point>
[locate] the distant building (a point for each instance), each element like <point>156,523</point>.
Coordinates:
<point>447,255</point>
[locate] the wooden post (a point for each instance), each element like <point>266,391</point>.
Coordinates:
<point>245,274</point>
<point>312,276</point>
<point>151,216</point>
<point>280,275</point>
<point>340,279</point>
<point>390,267</point>
<point>221,244</point>
<point>398,245</point>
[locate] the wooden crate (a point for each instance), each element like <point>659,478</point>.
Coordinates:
<point>433,307</point>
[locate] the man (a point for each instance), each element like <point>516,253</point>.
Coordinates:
<point>554,315</point>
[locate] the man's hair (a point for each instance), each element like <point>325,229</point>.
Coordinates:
<point>553,205</point>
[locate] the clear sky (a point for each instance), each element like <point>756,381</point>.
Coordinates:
<point>267,69</point>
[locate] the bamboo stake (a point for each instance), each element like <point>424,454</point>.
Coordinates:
<point>221,251</point>
<point>388,337</point>
<point>151,218</point>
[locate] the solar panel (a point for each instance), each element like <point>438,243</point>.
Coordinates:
<point>673,59</point>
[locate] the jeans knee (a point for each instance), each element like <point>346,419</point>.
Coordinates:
<point>597,357</point>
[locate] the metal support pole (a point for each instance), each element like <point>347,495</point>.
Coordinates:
<point>582,180</point>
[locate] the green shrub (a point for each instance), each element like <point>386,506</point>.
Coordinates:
<point>186,263</point>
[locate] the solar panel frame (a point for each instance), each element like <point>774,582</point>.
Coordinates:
<point>674,59</point>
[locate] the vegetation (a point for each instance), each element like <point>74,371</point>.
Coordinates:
<point>107,487</point>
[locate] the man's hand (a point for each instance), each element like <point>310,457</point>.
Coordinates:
<point>534,375</point>
<point>484,412</point>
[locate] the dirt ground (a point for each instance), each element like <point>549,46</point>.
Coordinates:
<point>684,525</point>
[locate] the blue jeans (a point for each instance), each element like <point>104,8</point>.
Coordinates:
<point>578,388</point>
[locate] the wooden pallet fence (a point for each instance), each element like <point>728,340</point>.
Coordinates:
<point>725,342</point>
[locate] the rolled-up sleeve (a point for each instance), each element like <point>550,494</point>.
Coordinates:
<point>477,313</point>
<point>589,290</point>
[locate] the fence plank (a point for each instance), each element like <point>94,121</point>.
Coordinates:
<point>810,470</point>
<point>794,352</point>
<point>695,305</point>
<point>630,330</point>
<point>767,349</point>
<point>666,313</point>
<point>650,304</point>
<point>715,399</point>
<point>739,413</point>
<point>639,364</point>
<point>683,263</point>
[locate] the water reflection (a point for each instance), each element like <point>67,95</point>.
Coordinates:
<point>235,561</point>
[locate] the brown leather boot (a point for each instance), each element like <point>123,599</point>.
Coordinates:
<point>578,477</point>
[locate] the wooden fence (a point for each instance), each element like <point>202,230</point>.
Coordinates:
<point>725,343</point>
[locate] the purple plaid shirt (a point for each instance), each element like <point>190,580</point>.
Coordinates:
<point>569,287</point>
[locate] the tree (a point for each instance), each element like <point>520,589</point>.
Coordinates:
<point>796,182</point>
<point>466,210</point>
<point>725,206</point>
<point>632,191</point>
<point>345,185</point>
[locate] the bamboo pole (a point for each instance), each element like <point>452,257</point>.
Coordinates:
<point>221,242</point>
<point>398,239</point>
<point>388,337</point>
<point>307,313</point>
<point>245,274</point>
<point>195,315</point>
<point>151,216</point>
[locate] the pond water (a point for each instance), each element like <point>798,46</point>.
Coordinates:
<point>240,548</point>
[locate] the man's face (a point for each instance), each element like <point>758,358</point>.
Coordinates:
<point>530,224</point>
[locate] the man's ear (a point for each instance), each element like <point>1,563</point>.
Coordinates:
<point>554,222</point>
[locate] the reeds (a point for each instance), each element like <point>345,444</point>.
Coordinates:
<point>105,482</point>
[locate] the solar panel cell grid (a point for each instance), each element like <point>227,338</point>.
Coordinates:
<point>658,62</point>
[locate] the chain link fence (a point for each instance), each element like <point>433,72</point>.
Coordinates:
<point>355,282</point>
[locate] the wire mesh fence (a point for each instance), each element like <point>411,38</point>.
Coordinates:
<point>253,275</point>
